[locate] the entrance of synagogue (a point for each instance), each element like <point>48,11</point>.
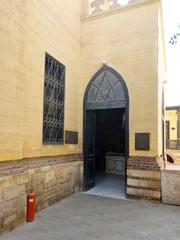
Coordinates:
<point>106,134</point>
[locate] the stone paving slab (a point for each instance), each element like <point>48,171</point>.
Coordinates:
<point>89,217</point>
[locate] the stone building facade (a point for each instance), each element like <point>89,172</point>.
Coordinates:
<point>79,35</point>
<point>135,49</point>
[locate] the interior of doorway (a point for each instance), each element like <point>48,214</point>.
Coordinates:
<point>110,151</point>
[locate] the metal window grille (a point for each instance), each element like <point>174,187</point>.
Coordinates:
<point>54,87</point>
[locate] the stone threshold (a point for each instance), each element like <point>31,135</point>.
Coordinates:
<point>173,166</point>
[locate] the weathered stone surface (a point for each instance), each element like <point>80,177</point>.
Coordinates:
<point>144,178</point>
<point>5,182</point>
<point>5,208</point>
<point>145,173</point>
<point>170,182</point>
<point>9,219</point>
<point>20,179</point>
<point>49,176</point>
<point>13,192</point>
<point>1,195</point>
<point>19,203</point>
<point>144,183</point>
<point>50,183</point>
<point>146,194</point>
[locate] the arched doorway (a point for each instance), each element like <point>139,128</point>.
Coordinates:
<point>106,126</point>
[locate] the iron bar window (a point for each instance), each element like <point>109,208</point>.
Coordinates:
<point>54,87</point>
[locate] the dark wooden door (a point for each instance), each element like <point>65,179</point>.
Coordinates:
<point>90,150</point>
<point>167,133</point>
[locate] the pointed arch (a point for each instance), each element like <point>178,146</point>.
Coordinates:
<point>106,89</point>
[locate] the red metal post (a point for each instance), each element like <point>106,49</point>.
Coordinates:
<point>31,200</point>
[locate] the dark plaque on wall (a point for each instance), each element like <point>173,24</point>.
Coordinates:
<point>71,137</point>
<point>142,141</point>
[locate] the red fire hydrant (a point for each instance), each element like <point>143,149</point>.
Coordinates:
<point>31,201</point>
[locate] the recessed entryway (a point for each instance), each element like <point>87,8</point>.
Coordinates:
<point>109,144</point>
<point>106,134</point>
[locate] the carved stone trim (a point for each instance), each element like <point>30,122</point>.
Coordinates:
<point>96,7</point>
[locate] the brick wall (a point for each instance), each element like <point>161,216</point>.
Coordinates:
<point>52,179</point>
<point>144,178</point>
<point>144,163</point>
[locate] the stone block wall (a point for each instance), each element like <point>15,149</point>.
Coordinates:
<point>52,179</point>
<point>170,182</point>
<point>143,178</point>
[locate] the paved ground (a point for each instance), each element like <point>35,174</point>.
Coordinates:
<point>89,217</point>
<point>109,185</point>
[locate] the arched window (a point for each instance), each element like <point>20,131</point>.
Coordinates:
<point>106,89</point>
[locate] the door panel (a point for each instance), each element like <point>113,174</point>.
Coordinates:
<point>167,134</point>
<point>90,150</point>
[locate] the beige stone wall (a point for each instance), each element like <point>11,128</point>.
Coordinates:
<point>172,117</point>
<point>28,29</point>
<point>51,180</point>
<point>170,181</point>
<point>161,78</point>
<point>128,41</point>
